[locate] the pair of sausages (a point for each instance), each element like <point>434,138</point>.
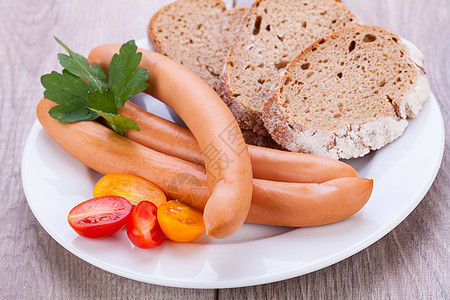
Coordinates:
<point>227,194</point>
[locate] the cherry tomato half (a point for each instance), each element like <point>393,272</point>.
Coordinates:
<point>143,228</point>
<point>100,217</point>
<point>180,222</point>
<point>133,188</point>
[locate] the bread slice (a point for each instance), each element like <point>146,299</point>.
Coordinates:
<point>347,93</point>
<point>196,33</point>
<point>272,33</point>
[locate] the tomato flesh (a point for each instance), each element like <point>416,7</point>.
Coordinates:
<point>143,228</point>
<point>180,222</point>
<point>133,188</point>
<point>100,217</point>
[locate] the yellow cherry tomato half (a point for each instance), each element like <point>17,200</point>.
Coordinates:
<point>133,188</point>
<point>180,222</point>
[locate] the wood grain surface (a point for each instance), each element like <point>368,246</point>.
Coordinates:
<point>411,262</point>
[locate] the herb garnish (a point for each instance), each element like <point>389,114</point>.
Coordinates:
<point>102,95</point>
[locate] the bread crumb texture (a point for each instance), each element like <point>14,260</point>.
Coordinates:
<point>197,34</point>
<point>347,93</point>
<point>273,32</point>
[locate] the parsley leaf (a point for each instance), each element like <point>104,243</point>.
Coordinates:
<point>100,73</point>
<point>86,92</point>
<point>71,93</point>
<point>124,80</point>
<point>73,112</point>
<point>118,122</point>
<point>64,88</point>
<point>103,102</point>
<point>79,66</point>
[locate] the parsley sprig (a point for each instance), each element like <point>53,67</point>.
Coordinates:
<point>86,92</point>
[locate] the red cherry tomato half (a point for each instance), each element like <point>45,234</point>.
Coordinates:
<point>100,217</point>
<point>143,228</point>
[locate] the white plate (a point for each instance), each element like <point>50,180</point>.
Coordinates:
<point>403,171</point>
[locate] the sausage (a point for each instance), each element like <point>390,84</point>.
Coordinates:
<point>227,161</point>
<point>175,140</point>
<point>308,204</point>
<point>273,203</point>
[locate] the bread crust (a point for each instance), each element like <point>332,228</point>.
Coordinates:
<point>252,138</point>
<point>350,140</point>
<point>414,100</point>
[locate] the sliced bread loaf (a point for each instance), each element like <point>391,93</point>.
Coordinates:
<point>347,93</point>
<point>196,33</point>
<point>272,33</point>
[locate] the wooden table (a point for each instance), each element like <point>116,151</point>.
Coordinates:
<point>411,262</point>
